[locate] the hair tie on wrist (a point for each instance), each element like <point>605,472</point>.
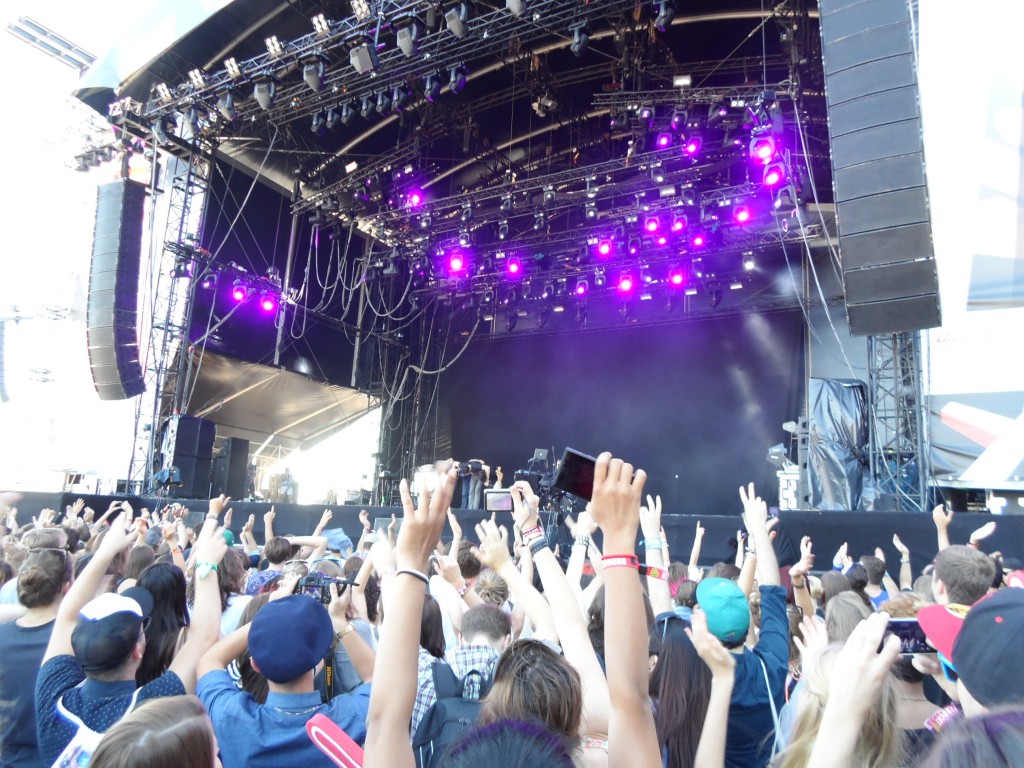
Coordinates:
<point>414,573</point>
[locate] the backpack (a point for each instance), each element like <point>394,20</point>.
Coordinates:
<point>78,753</point>
<point>451,716</point>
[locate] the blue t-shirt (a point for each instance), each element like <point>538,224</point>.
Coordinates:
<point>251,735</point>
<point>748,742</point>
<point>98,704</point>
<point>21,653</point>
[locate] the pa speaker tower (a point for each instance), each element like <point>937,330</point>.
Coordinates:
<point>878,171</point>
<point>111,310</point>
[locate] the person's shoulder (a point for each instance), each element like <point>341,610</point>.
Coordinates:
<point>168,684</point>
<point>56,676</point>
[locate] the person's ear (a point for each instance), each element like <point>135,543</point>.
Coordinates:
<point>652,662</point>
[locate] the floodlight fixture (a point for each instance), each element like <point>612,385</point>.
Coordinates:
<point>265,91</point>
<point>457,78</point>
<point>313,73</point>
<point>580,38</point>
<point>666,12</point>
<point>274,47</point>
<point>410,30</point>
<point>226,104</point>
<point>456,17</point>
<point>432,87</point>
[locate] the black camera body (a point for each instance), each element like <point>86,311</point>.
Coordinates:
<point>318,586</point>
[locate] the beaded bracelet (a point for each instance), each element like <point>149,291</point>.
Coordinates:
<point>583,540</point>
<point>654,544</point>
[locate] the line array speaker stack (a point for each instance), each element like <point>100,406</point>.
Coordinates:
<point>878,170</point>
<point>112,305</point>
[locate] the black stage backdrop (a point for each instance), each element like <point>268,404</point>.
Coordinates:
<point>696,404</point>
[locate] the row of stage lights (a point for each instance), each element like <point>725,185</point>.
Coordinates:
<point>264,292</point>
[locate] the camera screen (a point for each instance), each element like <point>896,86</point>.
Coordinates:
<point>912,638</point>
<point>576,474</point>
<point>498,501</point>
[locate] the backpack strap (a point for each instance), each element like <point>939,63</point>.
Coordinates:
<point>446,684</point>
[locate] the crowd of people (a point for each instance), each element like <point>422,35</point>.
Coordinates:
<point>128,639</point>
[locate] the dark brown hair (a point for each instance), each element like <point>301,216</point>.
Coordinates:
<point>43,576</point>
<point>966,572</point>
<point>432,628</point>
<point>488,620</point>
<point>277,550</point>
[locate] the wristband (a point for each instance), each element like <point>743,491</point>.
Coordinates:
<point>620,561</point>
<point>974,544</point>
<point>654,544</point>
<point>205,569</point>
<point>531,531</point>
<point>537,545</point>
<point>345,632</point>
<point>907,560</point>
<point>414,573</point>
<point>583,540</point>
<point>461,590</point>
<point>653,572</point>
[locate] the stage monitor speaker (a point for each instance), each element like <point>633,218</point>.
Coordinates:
<point>192,439</point>
<point>229,468</point>
<point>195,477</point>
<point>112,305</point>
<point>878,169</point>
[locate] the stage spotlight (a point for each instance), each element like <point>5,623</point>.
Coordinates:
<point>651,224</point>
<point>679,119</point>
<point>762,148</point>
<point>456,262</point>
<point>634,246</point>
<point>456,17</point>
<point>431,87</point>
<point>163,129</point>
<point>717,112</point>
<point>514,266</point>
<point>348,113</point>
<point>544,315</point>
<point>457,78</point>
<point>511,318</point>
<point>268,301</point>
<point>426,221</point>
<point>506,203</point>
<point>663,140</point>
<point>736,285</point>
<point>693,144</point>
<point>592,187</point>
<point>209,281</point>
<point>714,295</point>
<point>626,282</point>
<point>383,103</point>
<point>676,277</point>
<point>366,106</point>
<point>539,220</point>
<point>679,224</point>
<point>666,11</point>
<point>699,240</point>
<point>774,173</point>
<point>414,199</point>
<point>550,196</point>
<point>319,126</point>
<point>465,238</point>
<point>265,91</point>
<point>238,290</point>
<point>604,248</point>
<point>409,34</point>
<point>226,105</point>
<point>580,38</point>
<point>590,211</point>
<point>516,7</point>
<point>313,74</point>
<point>466,213</point>
<point>362,55</point>
<point>748,262</point>
<point>742,214</point>
<point>503,229</point>
<point>646,114</point>
<point>785,200</point>
<point>333,117</point>
<point>400,97</point>
<point>581,288</point>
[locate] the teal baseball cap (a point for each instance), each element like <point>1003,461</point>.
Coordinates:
<point>726,608</point>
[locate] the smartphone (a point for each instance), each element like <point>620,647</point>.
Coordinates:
<point>498,501</point>
<point>576,474</point>
<point>912,638</point>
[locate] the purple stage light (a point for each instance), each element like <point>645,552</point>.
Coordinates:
<point>692,146</point>
<point>604,248</point>
<point>678,224</point>
<point>268,303</point>
<point>625,282</point>
<point>664,140</point>
<point>774,173</point>
<point>514,266</point>
<point>661,240</point>
<point>762,149</point>
<point>456,262</point>
<point>238,293</point>
<point>651,224</point>
<point>698,240</point>
<point>675,277</point>
<point>634,246</point>
<point>742,215</point>
<point>581,287</point>
<point>414,199</point>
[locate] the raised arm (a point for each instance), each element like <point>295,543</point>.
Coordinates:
<point>942,519</point>
<point>632,739</point>
<point>755,518</point>
<point>906,572</point>
<point>657,586</point>
<point>798,576</point>
<point>722,663</point>
<point>394,689</point>
<point>693,571</point>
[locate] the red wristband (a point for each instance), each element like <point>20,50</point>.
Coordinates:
<point>654,572</point>
<point>620,561</point>
<point>532,531</point>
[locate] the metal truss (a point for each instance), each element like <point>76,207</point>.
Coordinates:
<point>167,297</point>
<point>899,462</point>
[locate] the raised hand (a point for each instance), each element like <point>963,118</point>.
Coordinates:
<point>983,533</point>
<point>218,504</point>
<point>45,519</point>
<point>454,523</point>
<point>364,519</point>
<point>228,516</point>
<point>719,659</point>
<point>615,503</point>
<point>269,517</point>
<point>840,557</point>
<point>493,549</point>
<point>813,637</point>
<point>941,517</point>
<point>422,525</point>
<point>755,511</point>
<point>806,562</point>
<point>902,548</point>
<point>860,668</point>
<point>699,534</point>
<point>525,505</point>
<point>247,528</point>
<point>118,538</point>
<point>880,553</point>
<point>325,518</point>
<point>650,518</point>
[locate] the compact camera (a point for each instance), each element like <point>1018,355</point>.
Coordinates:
<point>318,586</point>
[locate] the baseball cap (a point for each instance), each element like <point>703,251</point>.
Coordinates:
<point>941,624</point>
<point>289,637</point>
<point>154,537</point>
<point>109,627</point>
<point>987,651</point>
<point>726,607</point>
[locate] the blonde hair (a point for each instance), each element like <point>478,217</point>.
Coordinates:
<point>169,732</point>
<point>842,614</point>
<point>881,742</point>
<point>491,587</point>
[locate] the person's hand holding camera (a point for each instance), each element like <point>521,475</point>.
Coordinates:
<point>525,505</point>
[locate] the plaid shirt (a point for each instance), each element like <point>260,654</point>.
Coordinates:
<point>465,659</point>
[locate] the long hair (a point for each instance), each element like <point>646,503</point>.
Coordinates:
<point>432,628</point>
<point>169,732</point>
<point>510,744</point>
<point>532,682</point>
<point>139,559</point>
<point>230,578</point>
<point>680,686</point>
<point>832,583</point>
<point>166,583</point>
<point>880,744</point>
<point>842,615</point>
<point>253,682</point>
